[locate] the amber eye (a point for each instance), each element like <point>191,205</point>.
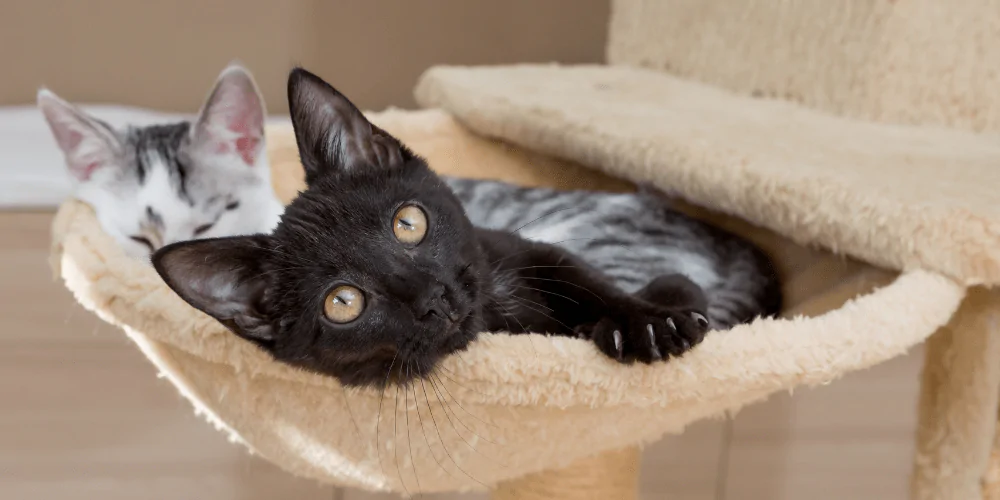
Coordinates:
<point>410,224</point>
<point>344,304</point>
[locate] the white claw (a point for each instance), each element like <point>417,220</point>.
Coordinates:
<point>671,325</point>
<point>701,319</point>
<point>653,348</point>
<point>618,341</point>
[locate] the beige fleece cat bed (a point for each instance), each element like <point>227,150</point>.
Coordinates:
<point>512,405</point>
<point>537,417</point>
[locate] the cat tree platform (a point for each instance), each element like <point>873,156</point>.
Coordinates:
<point>523,416</point>
<point>901,197</point>
<point>783,114</point>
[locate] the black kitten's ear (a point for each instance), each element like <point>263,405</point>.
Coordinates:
<point>223,278</point>
<point>332,134</point>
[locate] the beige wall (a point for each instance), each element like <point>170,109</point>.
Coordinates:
<point>165,54</point>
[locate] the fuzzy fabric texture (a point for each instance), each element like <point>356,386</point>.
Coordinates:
<point>958,404</point>
<point>916,62</point>
<point>611,475</point>
<point>899,197</point>
<point>511,405</point>
<point>991,481</point>
<point>922,62</point>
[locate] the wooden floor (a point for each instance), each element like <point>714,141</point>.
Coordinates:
<point>83,416</point>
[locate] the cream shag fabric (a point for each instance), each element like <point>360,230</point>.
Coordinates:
<point>900,197</point>
<point>991,482</point>
<point>958,403</point>
<point>926,62</point>
<point>510,405</point>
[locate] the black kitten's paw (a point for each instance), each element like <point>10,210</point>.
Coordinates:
<point>646,333</point>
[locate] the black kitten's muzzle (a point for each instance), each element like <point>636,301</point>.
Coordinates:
<point>435,305</point>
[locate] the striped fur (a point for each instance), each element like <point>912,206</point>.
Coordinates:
<point>632,238</point>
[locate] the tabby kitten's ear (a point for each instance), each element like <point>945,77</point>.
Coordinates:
<point>89,145</point>
<point>223,278</point>
<point>332,134</point>
<point>231,122</point>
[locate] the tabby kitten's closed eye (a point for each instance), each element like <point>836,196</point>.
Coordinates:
<point>375,273</point>
<point>154,185</point>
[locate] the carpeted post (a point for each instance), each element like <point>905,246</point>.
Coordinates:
<point>958,402</point>
<point>612,475</point>
<point>991,483</point>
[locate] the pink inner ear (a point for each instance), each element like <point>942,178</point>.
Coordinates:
<point>246,125</point>
<point>71,139</point>
<point>84,173</point>
<point>79,167</point>
<point>246,146</point>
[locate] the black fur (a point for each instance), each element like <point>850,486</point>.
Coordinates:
<point>423,301</point>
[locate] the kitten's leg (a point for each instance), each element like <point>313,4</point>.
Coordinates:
<point>624,326</point>
<point>678,291</point>
<point>674,290</point>
<point>675,322</point>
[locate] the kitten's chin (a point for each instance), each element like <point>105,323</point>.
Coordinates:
<point>424,363</point>
<point>404,364</point>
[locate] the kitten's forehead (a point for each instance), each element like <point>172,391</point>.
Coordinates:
<point>164,156</point>
<point>341,201</point>
<point>161,192</point>
<point>160,157</point>
<point>347,220</point>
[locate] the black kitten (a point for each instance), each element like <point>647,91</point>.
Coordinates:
<point>375,273</point>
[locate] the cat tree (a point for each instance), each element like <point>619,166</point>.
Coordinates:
<point>785,115</point>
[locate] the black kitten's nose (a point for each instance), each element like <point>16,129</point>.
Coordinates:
<point>435,303</point>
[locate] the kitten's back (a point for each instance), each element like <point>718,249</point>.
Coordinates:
<point>633,237</point>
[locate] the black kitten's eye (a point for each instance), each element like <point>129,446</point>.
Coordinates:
<point>343,304</point>
<point>202,228</point>
<point>410,224</point>
<point>233,205</point>
<point>144,241</point>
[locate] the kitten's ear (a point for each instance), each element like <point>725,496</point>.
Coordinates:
<point>332,134</point>
<point>232,120</point>
<point>87,144</point>
<point>223,278</point>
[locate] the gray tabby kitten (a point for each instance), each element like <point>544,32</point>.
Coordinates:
<point>155,185</point>
<point>631,238</point>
